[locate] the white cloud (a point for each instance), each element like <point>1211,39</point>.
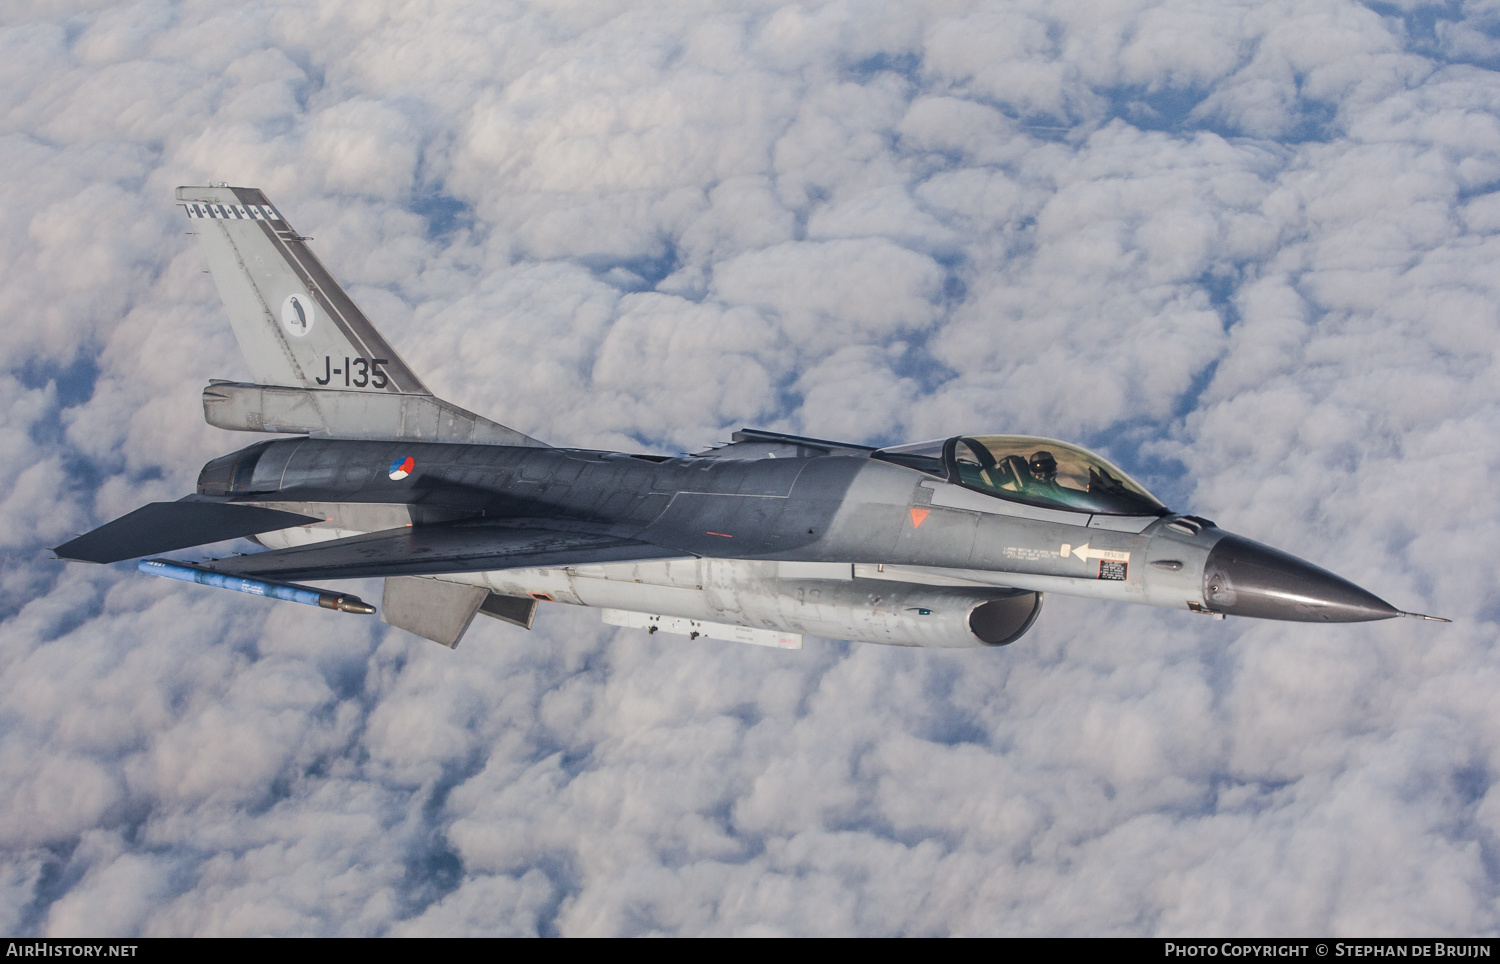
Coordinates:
<point>831,293</point>
<point>1248,250</point>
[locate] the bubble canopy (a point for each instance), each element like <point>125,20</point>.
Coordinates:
<point>1029,469</point>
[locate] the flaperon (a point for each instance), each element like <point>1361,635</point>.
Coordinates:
<point>944,543</point>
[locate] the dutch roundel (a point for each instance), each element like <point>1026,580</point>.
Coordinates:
<point>401,468</point>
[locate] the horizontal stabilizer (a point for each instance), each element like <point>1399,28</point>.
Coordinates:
<point>448,547</point>
<point>164,526</point>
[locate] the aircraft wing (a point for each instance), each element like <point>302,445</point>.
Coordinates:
<point>465,546</point>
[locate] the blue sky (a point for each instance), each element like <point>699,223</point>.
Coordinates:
<point>1246,250</point>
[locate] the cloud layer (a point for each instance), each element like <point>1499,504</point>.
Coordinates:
<point>1246,250</point>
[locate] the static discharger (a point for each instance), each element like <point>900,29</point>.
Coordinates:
<point>290,592</point>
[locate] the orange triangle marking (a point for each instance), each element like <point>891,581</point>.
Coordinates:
<point>919,516</point>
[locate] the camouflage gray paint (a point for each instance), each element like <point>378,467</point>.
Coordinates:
<point>760,540</point>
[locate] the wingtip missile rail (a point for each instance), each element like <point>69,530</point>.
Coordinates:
<point>289,592</point>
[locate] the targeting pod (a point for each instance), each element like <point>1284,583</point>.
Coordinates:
<point>257,587</point>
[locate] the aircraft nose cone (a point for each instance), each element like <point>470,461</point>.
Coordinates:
<point>1245,578</point>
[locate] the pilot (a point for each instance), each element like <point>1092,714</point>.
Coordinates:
<point>1043,467</point>
<point>1041,472</point>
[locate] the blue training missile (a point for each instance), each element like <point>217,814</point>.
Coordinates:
<point>290,592</point>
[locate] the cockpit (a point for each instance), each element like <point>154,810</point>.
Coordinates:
<point>1028,469</point>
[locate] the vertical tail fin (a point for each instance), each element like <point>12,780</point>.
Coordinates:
<point>295,325</point>
<point>320,367</point>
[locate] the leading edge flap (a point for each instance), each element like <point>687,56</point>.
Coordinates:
<point>445,548</point>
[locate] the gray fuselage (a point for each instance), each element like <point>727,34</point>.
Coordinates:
<point>846,528</point>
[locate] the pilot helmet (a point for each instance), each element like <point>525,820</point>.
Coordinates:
<point>1043,466</point>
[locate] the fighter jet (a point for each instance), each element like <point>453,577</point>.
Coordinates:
<point>950,543</point>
